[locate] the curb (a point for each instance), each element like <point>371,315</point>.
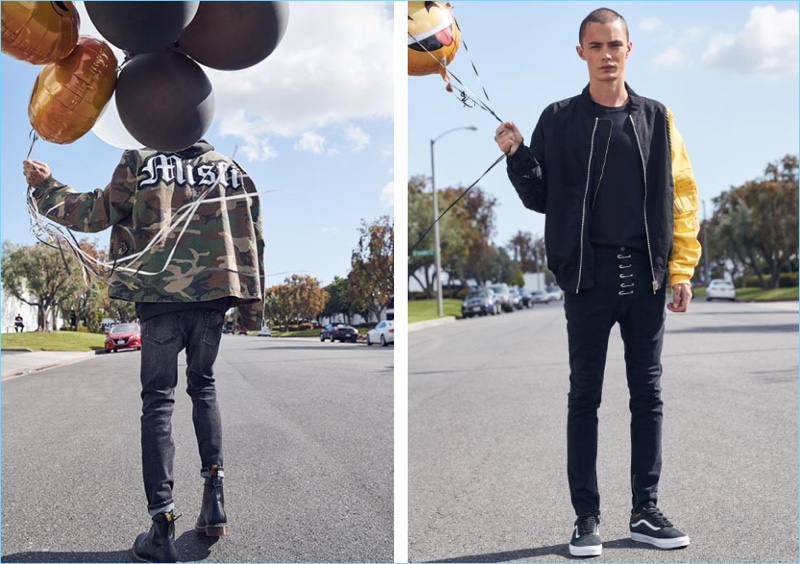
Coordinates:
<point>419,325</point>
<point>26,371</point>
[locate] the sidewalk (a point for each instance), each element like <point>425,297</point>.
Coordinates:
<point>14,363</point>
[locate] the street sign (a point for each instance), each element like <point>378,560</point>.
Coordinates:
<point>422,253</point>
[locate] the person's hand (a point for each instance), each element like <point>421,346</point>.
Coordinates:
<point>508,138</point>
<point>681,296</point>
<point>35,171</point>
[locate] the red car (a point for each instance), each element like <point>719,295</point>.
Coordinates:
<point>124,336</point>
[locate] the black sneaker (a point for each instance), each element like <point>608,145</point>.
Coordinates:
<point>586,537</point>
<point>650,526</point>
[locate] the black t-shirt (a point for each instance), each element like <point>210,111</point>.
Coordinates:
<point>616,193</point>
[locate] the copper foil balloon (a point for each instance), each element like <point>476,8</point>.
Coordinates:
<point>234,35</point>
<point>141,27</point>
<point>39,32</point>
<point>165,100</point>
<point>69,95</point>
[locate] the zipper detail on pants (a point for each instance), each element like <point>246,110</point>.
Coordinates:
<point>646,229</point>
<point>583,211</point>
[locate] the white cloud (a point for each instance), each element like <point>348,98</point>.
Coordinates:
<point>387,194</point>
<point>766,46</point>
<point>334,66</point>
<point>387,151</point>
<point>357,136</point>
<point>672,58</point>
<point>310,141</point>
<point>649,24</point>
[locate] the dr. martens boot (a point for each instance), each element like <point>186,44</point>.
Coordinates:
<point>212,520</point>
<point>159,544</point>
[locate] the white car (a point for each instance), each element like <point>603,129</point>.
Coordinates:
<point>382,333</point>
<point>720,290</point>
<point>265,331</point>
<point>554,293</point>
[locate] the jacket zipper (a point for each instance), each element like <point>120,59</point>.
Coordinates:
<point>583,212</point>
<point>646,229</point>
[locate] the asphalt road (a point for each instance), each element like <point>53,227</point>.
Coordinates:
<point>487,438</point>
<point>308,430</point>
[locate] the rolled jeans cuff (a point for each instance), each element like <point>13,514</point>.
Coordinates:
<point>166,509</point>
<point>206,472</point>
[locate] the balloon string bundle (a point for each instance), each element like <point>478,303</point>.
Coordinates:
<point>465,95</point>
<point>93,267</point>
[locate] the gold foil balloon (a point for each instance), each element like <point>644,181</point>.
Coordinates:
<point>70,95</point>
<point>433,38</point>
<point>39,32</point>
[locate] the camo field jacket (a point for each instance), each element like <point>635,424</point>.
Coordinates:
<point>165,249</point>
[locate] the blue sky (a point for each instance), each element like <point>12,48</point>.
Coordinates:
<point>728,71</point>
<point>313,124</point>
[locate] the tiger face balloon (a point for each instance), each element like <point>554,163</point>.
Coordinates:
<point>433,38</point>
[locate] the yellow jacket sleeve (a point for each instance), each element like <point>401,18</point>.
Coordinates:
<point>685,245</point>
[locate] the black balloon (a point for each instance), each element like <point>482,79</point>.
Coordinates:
<point>234,35</point>
<point>141,27</point>
<point>164,100</point>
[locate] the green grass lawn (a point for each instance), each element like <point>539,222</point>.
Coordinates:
<point>55,341</point>
<point>422,310</point>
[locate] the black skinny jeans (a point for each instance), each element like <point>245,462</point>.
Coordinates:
<point>623,294</point>
<point>163,338</point>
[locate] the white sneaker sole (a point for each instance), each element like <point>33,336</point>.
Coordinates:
<point>661,543</point>
<point>586,550</point>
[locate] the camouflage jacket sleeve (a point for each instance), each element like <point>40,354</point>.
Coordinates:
<point>89,211</point>
<point>252,313</point>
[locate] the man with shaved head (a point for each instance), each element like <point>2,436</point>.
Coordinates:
<point>610,172</point>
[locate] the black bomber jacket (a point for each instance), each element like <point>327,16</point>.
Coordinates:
<point>554,175</point>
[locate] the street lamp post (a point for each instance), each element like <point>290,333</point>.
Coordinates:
<point>437,250</point>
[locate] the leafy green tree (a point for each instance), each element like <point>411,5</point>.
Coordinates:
<point>371,277</point>
<point>299,297</point>
<point>39,275</point>
<point>339,302</point>
<point>756,224</point>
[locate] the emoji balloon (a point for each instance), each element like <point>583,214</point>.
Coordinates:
<point>433,38</point>
<point>39,32</point>
<point>70,95</point>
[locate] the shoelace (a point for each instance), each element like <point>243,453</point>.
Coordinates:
<point>657,517</point>
<point>587,525</point>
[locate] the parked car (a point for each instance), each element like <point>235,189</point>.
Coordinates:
<point>382,333</point>
<point>265,331</point>
<point>554,293</point>
<point>719,289</point>
<point>480,302</point>
<point>526,298</point>
<point>503,296</point>
<point>124,336</point>
<point>338,332</point>
<point>516,298</point>
<point>539,297</point>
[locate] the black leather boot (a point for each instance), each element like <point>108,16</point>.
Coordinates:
<point>159,544</point>
<point>212,520</point>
